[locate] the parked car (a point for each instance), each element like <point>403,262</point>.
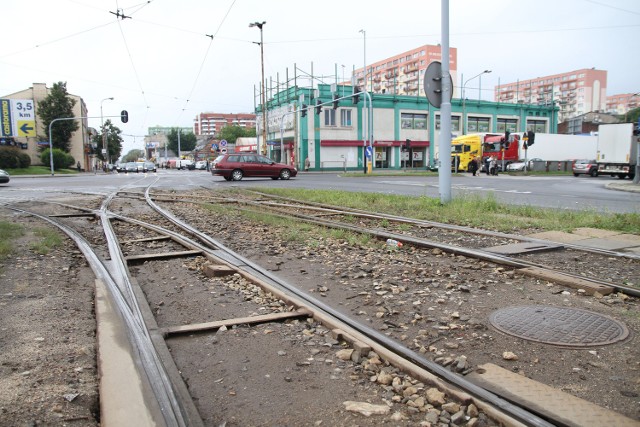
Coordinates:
<point>4,177</point>
<point>589,167</point>
<point>519,166</point>
<point>201,165</point>
<point>149,167</point>
<point>236,166</point>
<point>131,167</point>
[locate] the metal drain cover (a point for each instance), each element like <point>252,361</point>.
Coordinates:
<point>571,327</point>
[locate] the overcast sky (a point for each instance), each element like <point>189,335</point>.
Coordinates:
<point>176,58</point>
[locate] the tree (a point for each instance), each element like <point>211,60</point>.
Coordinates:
<point>113,140</point>
<point>632,115</point>
<point>187,141</point>
<point>133,155</point>
<point>58,105</point>
<point>231,133</point>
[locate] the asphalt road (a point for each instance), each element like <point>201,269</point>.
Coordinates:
<point>563,192</point>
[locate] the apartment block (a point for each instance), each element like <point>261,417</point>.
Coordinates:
<point>622,103</point>
<point>211,123</point>
<point>403,74</point>
<point>575,92</point>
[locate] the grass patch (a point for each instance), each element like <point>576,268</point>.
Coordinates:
<point>49,239</point>
<point>471,210</point>
<point>39,170</point>
<point>8,233</point>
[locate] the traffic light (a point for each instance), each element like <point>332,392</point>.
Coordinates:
<point>335,101</point>
<point>356,97</point>
<point>124,116</point>
<point>531,136</point>
<point>303,110</point>
<point>318,107</point>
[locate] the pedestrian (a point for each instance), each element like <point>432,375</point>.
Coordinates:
<point>473,166</point>
<point>487,163</point>
<point>493,166</point>
<point>307,164</point>
<point>78,166</point>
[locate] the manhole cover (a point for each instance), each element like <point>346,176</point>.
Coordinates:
<point>559,326</point>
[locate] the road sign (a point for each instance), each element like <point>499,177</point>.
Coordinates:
<point>223,150</point>
<point>368,152</point>
<point>433,84</point>
<point>6,127</point>
<point>17,118</point>
<point>223,143</point>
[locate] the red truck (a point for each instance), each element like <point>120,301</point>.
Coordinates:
<point>505,148</point>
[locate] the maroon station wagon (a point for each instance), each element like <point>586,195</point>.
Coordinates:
<point>233,167</point>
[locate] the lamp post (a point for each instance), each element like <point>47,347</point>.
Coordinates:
<point>263,88</point>
<point>364,103</point>
<point>464,99</point>
<point>104,139</point>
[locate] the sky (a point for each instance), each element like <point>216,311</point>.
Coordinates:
<point>170,60</point>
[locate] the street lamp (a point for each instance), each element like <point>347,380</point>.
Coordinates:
<point>364,103</point>
<point>263,88</point>
<point>104,139</point>
<point>464,118</point>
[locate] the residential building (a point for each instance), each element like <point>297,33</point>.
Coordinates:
<point>211,123</point>
<point>586,123</point>
<point>403,74</point>
<point>622,103</point>
<point>575,92</point>
<point>32,142</point>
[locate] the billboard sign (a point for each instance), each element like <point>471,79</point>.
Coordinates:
<point>17,118</point>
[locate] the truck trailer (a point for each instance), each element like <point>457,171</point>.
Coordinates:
<point>617,150</point>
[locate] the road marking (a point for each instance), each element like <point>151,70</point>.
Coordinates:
<point>458,187</point>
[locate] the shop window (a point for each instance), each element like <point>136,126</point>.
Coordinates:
<point>413,121</point>
<point>455,123</point>
<point>507,124</point>
<point>478,124</point>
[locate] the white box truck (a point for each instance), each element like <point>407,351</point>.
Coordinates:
<point>617,150</point>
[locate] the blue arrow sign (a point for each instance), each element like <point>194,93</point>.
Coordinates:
<point>368,152</point>
<point>25,128</point>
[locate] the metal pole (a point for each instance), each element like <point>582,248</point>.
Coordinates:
<point>364,105</point>
<point>264,95</point>
<point>179,145</point>
<point>444,167</point>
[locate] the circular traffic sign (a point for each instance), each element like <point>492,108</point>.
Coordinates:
<point>223,143</point>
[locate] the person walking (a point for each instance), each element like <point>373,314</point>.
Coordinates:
<point>79,166</point>
<point>473,166</point>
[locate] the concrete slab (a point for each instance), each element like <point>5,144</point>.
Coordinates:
<point>630,238</point>
<point>557,236</point>
<point>594,232</point>
<point>633,250</point>
<point>607,244</point>
<point>523,248</point>
<point>558,405</point>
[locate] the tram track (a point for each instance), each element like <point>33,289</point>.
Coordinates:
<point>188,235</point>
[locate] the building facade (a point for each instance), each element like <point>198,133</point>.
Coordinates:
<point>403,74</point>
<point>211,123</point>
<point>405,129</point>
<point>575,92</point>
<point>622,103</point>
<point>80,144</point>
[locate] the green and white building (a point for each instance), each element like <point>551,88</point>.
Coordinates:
<point>405,129</point>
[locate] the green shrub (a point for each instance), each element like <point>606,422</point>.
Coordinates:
<point>10,158</point>
<point>61,159</point>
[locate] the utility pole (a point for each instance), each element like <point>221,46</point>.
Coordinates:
<point>263,88</point>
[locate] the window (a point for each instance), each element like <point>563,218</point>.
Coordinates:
<point>478,124</point>
<point>538,126</point>
<point>413,121</point>
<point>455,123</point>
<point>345,117</point>
<point>507,124</point>
<point>329,117</point>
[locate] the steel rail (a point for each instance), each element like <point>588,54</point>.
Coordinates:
<point>451,227</point>
<point>510,409</point>
<point>137,331</point>
<point>473,253</point>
